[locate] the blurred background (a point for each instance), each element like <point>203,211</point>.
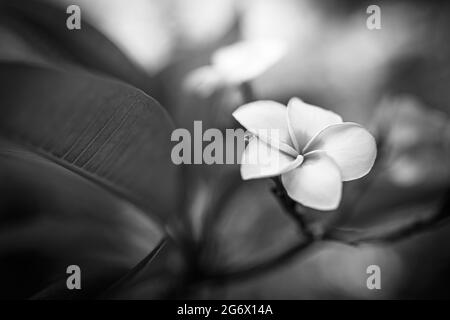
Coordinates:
<point>394,81</point>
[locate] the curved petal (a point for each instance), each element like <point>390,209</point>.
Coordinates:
<point>267,120</point>
<point>316,183</point>
<point>203,81</point>
<point>246,60</point>
<point>351,146</point>
<point>306,120</point>
<point>260,160</point>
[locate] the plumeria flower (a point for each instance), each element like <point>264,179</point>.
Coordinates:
<point>235,64</point>
<point>315,152</point>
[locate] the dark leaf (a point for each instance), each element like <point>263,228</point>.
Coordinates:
<point>251,229</point>
<point>39,29</point>
<point>160,275</point>
<point>105,131</point>
<point>51,217</point>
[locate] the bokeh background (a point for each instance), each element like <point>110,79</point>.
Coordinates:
<point>394,81</point>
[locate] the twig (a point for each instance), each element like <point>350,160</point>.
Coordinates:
<point>290,206</point>
<point>247,92</point>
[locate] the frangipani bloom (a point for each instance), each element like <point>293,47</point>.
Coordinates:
<point>316,150</point>
<point>235,64</point>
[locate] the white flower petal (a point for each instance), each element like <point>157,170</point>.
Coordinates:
<point>267,120</point>
<point>351,146</point>
<point>203,81</point>
<point>259,160</point>
<point>306,120</point>
<point>246,60</point>
<point>316,183</point>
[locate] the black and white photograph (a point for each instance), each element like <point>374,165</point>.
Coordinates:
<point>224,154</point>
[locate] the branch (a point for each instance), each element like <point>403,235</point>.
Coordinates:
<point>290,206</point>
<point>247,92</point>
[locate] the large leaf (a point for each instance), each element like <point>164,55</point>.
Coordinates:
<point>51,218</point>
<point>324,271</point>
<point>250,229</point>
<point>36,31</point>
<point>105,131</point>
<point>161,275</point>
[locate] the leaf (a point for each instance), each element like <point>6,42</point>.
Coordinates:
<point>80,157</point>
<point>251,229</point>
<point>399,204</point>
<point>51,217</point>
<point>103,130</point>
<point>326,271</point>
<point>159,276</point>
<point>41,27</point>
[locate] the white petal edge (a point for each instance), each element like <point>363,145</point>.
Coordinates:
<point>351,146</point>
<point>259,160</point>
<point>316,183</point>
<point>306,120</point>
<point>267,120</point>
<point>245,60</point>
<point>203,81</point>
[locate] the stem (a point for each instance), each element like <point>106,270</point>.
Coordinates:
<point>247,92</point>
<point>290,206</point>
